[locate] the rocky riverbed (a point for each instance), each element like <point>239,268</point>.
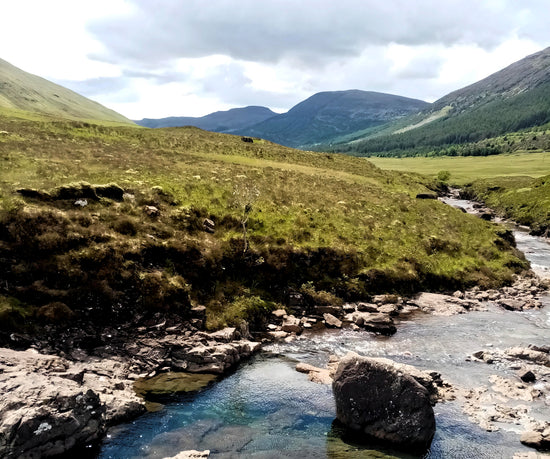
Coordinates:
<point>68,397</point>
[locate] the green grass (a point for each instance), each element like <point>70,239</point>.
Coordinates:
<point>464,169</point>
<point>338,224</point>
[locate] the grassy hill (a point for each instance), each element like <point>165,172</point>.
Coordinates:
<point>22,91</point>
<point>106,224</point>
<point>513,99</point>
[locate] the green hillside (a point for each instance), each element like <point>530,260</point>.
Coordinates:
<point>511,100</point>
<point>112,223</point>
<point>22,91</point>
<point>498,117</point>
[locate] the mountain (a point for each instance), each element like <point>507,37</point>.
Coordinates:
<point>23,91</point>
<point>323,118</point>
<point>509,100</point>
<point>326,116</point>
<point>223,121</point>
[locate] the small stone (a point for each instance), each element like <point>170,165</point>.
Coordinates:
<point>151,211</point>
<point>208,225</point>
<point>527,376</point>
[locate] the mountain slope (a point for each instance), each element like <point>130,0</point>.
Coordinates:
<point>222,121</point>
<point>514,98</point>
<point>328,115</point>
<point>23,91</point>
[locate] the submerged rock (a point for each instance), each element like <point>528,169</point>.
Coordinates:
<point>377,400</point>
<point>191,454</point>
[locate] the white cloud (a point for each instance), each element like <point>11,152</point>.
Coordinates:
<point>173,57</point>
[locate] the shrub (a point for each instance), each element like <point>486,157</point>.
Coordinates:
<point>252,309</point>
<point>57,313</point>
<point>443,176</point>
<point>126,226</point>
<point>320,298</point>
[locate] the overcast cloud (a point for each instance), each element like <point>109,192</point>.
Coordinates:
<point>161,58</point>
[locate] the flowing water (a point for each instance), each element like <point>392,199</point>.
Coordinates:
<point>266,409</point>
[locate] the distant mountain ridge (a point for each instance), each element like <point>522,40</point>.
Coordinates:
<point>323,117</point>
<point>221,121</point>
<point>21,90</point>
<point>514,98</point>
<point>328,115</point>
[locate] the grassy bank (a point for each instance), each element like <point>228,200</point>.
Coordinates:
<point>171,218</point>
<point>522,199</point>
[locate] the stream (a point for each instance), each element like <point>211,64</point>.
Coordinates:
<point>266,409</point>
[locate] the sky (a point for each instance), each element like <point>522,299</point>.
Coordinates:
<point>159,58</point>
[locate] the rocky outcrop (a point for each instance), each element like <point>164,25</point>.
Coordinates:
<point>377,400</point>
<point>51,404</point>
<point>45,409</point>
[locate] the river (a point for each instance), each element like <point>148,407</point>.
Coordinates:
<point>266,409</point>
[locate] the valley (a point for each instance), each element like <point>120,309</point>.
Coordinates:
<point>140,263</point>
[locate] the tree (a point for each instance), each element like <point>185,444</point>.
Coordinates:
<point>244,195</point>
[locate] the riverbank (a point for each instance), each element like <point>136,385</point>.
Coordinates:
<point>70,397</point>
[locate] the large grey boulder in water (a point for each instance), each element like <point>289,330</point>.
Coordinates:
<point>377,400</point>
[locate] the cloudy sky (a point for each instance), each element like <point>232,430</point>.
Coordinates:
<point>157,58</point>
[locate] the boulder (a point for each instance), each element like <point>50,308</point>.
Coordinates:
<point>331,321</point>
<point>375,322</point>
<point>378,401</point>
<point>291,324</point>
<point>367,307</point>
<point>511,304</point>
<point>316,375</point>
<point>426,196</point>
<point>279,314</point>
